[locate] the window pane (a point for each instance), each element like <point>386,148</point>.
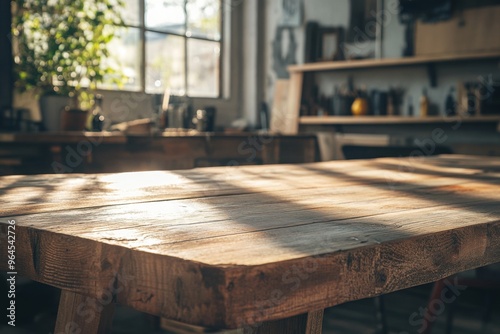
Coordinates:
<point>203,67</point>
<point>125,57</point>
<point>165,15</point>
<point>165,63</point>
<point>204,18</point>
<point>131,13</point>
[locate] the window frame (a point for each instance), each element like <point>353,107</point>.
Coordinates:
<point>143,30</point>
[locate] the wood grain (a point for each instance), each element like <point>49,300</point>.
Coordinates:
<point>36,194</point>
<point>231,248</point>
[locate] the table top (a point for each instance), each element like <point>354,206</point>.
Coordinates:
<point>229,246</point>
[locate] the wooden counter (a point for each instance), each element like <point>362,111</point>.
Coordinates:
<point>86,152</point>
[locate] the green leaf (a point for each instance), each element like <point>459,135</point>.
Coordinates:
<point>52,34</point>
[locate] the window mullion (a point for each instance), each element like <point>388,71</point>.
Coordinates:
<point>186,67</point>
<point>142,10</point>
<point>221,42</point>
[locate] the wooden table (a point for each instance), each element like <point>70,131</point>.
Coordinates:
<point>247,246</point>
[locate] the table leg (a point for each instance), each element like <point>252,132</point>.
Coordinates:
<point>81,314</point>
<point>435,295</point>
<point>309,323</point>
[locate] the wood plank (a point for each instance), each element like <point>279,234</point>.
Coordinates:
<point>79,314</point>
<point>24,195</point>
<point>314,322</point>
<point>294,101</point>
<point>79,194</point>
<point>346,120</point>
<point>390,62</point>
<point>215,217</point>
<point>280,112</point>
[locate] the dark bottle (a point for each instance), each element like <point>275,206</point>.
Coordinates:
<point>450,104</point>
<point>411,108</point>
<point>472,104</point>
<point>95,119</point>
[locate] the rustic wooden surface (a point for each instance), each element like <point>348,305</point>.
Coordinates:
<point>114,153</point>
<point>229,247</point>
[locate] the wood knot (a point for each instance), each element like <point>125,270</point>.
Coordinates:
<point>381,277</point>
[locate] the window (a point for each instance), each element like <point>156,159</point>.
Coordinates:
<point>172,44</point>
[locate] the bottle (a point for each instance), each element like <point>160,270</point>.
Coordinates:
<point>450,106</point>
<point>95,119</point>
<point>264,117</point>
<point>471,104</point>
<point>424,104</point>
<point>411,109</point>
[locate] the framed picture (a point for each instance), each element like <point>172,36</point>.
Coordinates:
<point>330,44</point>
<point>292,13</point>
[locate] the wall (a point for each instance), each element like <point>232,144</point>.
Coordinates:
<point>413,79</point>
<point>326,12</point>
<point>120,106</point>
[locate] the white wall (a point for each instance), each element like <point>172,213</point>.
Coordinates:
<point>412,79</point>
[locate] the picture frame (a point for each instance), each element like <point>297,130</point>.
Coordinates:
<point>330,44</point>
<point>292,13</point>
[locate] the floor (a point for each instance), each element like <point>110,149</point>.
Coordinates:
<point>402,309</point>
<point>356,317</point>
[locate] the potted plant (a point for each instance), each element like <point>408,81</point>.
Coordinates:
<point>59,49</point>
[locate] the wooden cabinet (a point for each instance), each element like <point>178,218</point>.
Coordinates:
<point>108,153</point>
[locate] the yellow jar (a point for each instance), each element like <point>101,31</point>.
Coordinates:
<point>360,107</point>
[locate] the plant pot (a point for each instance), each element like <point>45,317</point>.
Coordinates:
<point>73,119</point>
<point>51,107</point>
<point>28,100</point>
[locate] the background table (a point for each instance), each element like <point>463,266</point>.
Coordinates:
<point>232,247</point>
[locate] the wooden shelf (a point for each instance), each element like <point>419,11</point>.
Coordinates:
<point>390,62</point>
<point>369,120</point>
<point>298,73</point>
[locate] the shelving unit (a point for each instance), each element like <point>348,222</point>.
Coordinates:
<point>292,121</point>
